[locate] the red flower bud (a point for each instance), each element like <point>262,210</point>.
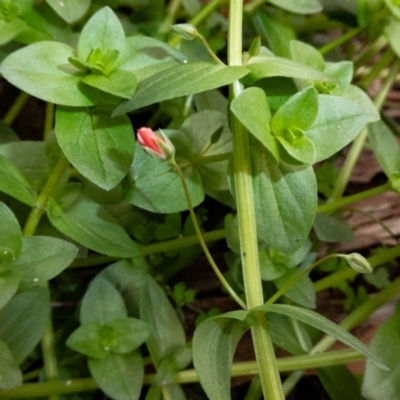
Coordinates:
<point>158,146</point>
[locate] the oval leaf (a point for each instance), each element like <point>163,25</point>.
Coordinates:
<point>100,147</point>
<point>285,201</point>
<point>42,69</point>
<point>11,375</point>
<point>10,236</point>
<point>42,258</point>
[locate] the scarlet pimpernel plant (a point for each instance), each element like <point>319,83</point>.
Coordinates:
<point>172,132</point>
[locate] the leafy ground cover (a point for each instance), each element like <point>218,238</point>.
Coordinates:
<point>186,186</point>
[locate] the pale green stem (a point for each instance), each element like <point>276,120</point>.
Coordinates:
<point>359,142</point>
<point>340,40</point>
<point>209,49</point>
<point>202,242</point>
<point>264,350</point>
<point>16,108</point>
<point>284,364</point>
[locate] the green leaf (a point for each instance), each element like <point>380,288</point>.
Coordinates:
<point>11,375</point>
<point>301,149</point>
<point>167,333</point>
<point>86,340</point>
<point>103,234</point>
<point>340,383</point>
<point>71,10</point>
<point>385,147</point>
<point>9,281</point>
<point>325,325</point>
<point>119,83</point>
<point>147,56</point>
<point>275,28</point>
<point>23,321</point>
<point>300,111</point>
<point>181,80</point>
<point>30,158</point>
<point>394,8</point>
<point>206,134</point>
<point>378,383</point>
<point>306,54</point>
<point>298,6</point>
<point>341,74</point>
<point>103,31</point>
<point>100,147</point>
<point>338,122</point>
<point>156,187</point>
<point>7,134</point>
<point>285,201</point>
<point>214,344</point>
<point>392,30</point>
<point>10,29</point>
<point>251,109</point>
<point>10,236</point>
<point>331,229</point>
<point>119,376</point>
<point>42,69</point>
<point>14,183</point>
<point>267,66</point>
<point>102,303</point>
<point>302,292</point>
<point>42,258</point>
<point>130,333</point>
<point>358,96</point>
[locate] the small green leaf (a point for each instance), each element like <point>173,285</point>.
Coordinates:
<point>130,333</point>
<point>119,83</point>
<point>385,147</point>
<point>300,111</point>
<point>102,303</point>
<point>42,69</point>
<point>100,147</point>
<point>325,325</point>
<point>103,234</point>
<point>214,344</point>
<point>11,375</point>
<point>299,6</point>
<point>341,74</point>
<point>42,258</point>
<point>103,31</point>
<point>9,281</point>
<point>338,122</point>
<point>358,96</point>
<point>119,376</point>
<point>285,201</point>
<point>70,10</point>
<point>23,321</point>
<point>167,333</point>
<point>10,236</point>
<point>301,149</point>
<point>86,340</point>
<point>331,229</point>
<point>14,183</point>
<point>251,109</point>
<point>378,383</point>
<point>306,54</point>
<point>271,66</point>
<point>181,80</point>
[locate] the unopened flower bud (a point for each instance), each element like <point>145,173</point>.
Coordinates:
<point>358,263</point>
<point>187,31</point>
<point>158,146</point>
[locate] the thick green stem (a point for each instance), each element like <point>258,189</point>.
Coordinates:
<point>264,350</point>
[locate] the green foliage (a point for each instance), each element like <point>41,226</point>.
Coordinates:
<point>88,193</point>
